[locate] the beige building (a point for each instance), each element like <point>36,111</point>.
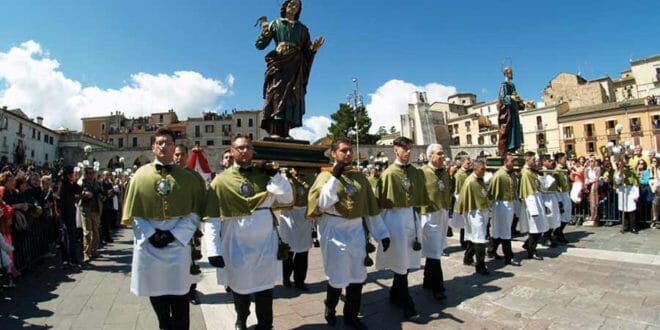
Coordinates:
<point>541,129</point>
<point>585,130</point>
<point>625,87</point>
<point>577,91</point>
<point>211,129</point>
<point>647,76</point>
<point>427,123</point>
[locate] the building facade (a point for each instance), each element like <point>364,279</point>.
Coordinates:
<point>585,130</point>
<point>24,140</point>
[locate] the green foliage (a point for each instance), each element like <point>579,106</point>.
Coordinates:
<point>344,125</point>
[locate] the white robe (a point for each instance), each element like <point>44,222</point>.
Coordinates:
<point>565,198</point>
<point>551,201</point>
<point>400,257</point>
<point>500,222</point>
<point>626,197</point>
<point>343,240</point>
<point>434,233</point>
<point>457,221</point>
<point>164,271</point>
<point>249,243</point>
<point>533,215</point>
<point>476,224</point>
<point>295,228</point>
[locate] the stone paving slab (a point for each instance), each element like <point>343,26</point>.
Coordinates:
<point>590,284</point>
<point>567,290</point>
<point>49,296</point>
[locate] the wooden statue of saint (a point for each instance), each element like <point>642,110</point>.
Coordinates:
<point>287,69</point>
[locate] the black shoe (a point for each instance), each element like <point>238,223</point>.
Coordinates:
<point>355,324</point>
<point>286,282</point>
<point>468,262</point>
<point>228,289</point>
<point>240,325</point>
<point>193,298</point>
<point>330,316</point>
<point>512,262</point>
<point>410,314</point>
<point>483,271</point>
<point>534,256</point>
<point>439,295</point>
<point>634,231</point>
<point>495,256</point>
<point>301,286</point>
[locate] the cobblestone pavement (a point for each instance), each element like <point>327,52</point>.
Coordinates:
<point>582,286</point>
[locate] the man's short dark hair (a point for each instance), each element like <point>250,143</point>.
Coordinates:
<point>163,131</point>
<point>530,154</point>
<point>559,156</point>
<point>240,136</point>
<point>335,144</point>
<point>183,147</point>
<point>402,141</point>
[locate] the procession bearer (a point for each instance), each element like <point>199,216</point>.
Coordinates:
<point>241,229</point>
<point>533,208</point>
<point>162,204</point>
<point>435,218</point>
<point>566,206</point>
<point>502,188</point>
<point>342,201</point>
<point>296,229</point>
<point>401,189</point>
<point>474,203</point>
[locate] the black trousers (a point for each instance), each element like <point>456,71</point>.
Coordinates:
<point>433,276</point>
<point>297,263</point>
<point>263,301</point>
<point>468,257</point>
<point>480,256</point>
<point>531,243</point>
<point>173,312</point>
<point>629,221</point>
<point>107,218</point>
<point>352,303</point>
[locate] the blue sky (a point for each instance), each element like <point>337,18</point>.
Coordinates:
<point>102,45</point>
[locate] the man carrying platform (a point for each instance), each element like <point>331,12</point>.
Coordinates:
<point>502,188</point>
<point>343,203</point>
<point>242,230</point>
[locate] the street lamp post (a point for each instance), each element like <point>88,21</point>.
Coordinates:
<point>357,101</point>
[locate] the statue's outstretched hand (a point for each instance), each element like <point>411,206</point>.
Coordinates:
<point>316,45</point>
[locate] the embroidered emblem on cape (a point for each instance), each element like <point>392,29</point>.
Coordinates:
<point>406,183</point>
<point>163,187</point>
<point>441,185</point>
<point>350,189</point>
<point>246,189</point>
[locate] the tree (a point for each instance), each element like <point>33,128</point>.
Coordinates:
<point>382,131</point>
<point>344,124</point>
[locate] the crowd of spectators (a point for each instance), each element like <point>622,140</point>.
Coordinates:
<point>42,211</point>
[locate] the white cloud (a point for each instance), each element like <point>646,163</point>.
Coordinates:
<point>34,83</point>
<point>391,100</point>
<point>313,129</point>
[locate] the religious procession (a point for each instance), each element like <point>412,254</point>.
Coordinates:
<point>296,234</point>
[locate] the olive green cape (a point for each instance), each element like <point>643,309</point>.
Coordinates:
<point>459,178</point>
<point>502,186</point>
<point>361,204</point>
<point>390,190</point>
<point>562,179</point>
<point>438,199</point>
<point>529,182</point>
<point>143,201</point>
<point>473,196</point>
<point>225,199</point>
